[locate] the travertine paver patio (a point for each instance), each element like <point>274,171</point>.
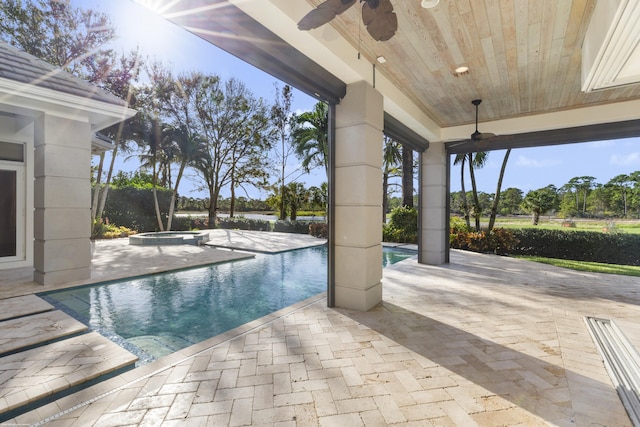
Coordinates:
<point>484,340</point>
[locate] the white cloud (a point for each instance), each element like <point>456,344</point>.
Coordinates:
<point>601,144</point>
<point>528,162</point>
<point>625,159</point>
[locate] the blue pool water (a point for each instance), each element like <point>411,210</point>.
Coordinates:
<point>153,316</point>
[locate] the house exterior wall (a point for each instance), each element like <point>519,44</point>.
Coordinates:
<point>62,200</point>
<point>358,198</point>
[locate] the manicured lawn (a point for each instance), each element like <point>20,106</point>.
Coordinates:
<point>593,267</point>
<point>621,225</point>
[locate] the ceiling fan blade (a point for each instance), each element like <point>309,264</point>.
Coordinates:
<point>453,144</point>
<point>324,13</point>
<point>381,21</point>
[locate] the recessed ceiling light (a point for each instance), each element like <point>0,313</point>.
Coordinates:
<point>461,71</point>
<point>381,59</point>
<point>428,4</point>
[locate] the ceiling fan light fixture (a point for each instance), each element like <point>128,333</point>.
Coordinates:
<point>428,4</point>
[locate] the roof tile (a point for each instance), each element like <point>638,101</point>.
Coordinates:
<point>22,67</point>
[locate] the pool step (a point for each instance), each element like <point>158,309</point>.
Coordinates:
<point>26,332</point>
<point>12,308</point>
<point>38,376</point>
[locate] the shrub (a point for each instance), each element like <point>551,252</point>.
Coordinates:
<point>457,225</point>
<point>297,227</point>
<point>402,226</point>
<point>499,241</point>
<point>614,248</point>
<point>104,230</point>
<point>319,229</point>
<point>182,223</point>
<point>242,223</point>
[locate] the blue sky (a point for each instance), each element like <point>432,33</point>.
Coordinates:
<point>533,168</point>
<point>527,169</point>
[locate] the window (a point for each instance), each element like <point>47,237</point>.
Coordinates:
<point>8,211</point>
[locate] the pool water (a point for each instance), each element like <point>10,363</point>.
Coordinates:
<point>156,315</point>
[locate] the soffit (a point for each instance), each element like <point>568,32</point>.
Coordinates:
<point>524,56</point>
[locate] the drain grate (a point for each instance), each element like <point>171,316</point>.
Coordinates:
<point>621,361</point>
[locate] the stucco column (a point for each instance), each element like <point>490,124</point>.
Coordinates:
<point>62,200</point>
<point>358,198</point>
<point>434,212</point>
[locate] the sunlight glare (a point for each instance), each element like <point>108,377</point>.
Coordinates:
<point>142,22</point>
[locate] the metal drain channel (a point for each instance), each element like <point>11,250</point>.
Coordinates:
<point>621,361</point>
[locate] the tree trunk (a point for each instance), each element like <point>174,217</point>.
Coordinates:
<point>213,208</point>
<point>232,204</point>
<point>407,176</point>
<point>175,194</point>
<point>155,195</point>
<point>103,199</point>
<point>282,213</point>
<point>96,190</point>
<point>465,205</point>
<point>496,199</point>
<point>476,202</point>
<point>536,218</point>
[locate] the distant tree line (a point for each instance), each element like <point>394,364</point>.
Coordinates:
<point>581,197</point>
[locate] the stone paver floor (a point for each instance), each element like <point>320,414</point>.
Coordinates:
<point>484,340</point>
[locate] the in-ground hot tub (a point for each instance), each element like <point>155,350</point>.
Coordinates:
<point>170,238</point>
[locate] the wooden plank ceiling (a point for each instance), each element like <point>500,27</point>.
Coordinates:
<point>524,56</point>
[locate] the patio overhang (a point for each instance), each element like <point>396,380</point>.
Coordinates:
<point>322,61</point>
<point>524,59</point>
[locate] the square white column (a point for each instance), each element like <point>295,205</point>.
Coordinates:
<point>62,200</point>
<point>358,198</point>
<point>435,236</point>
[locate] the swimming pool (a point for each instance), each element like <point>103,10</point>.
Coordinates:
<point>156,315</point>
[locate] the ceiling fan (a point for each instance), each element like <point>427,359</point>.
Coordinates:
<point>479,136</point>
<point>377,15</point>
<point>477,140</point>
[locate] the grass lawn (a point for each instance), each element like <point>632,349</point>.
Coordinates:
<point>592,267</point>
<point>552,223</point>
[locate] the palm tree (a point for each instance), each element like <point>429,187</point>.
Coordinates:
<point>310,137</point>
<point>295,196</point>
<point>391,158</point>
<point>496,199</point>
<point>407,176</point>
<point>148,132</point>
<point>476,161</point>
<point>461,159</point>
<point>187,148</point>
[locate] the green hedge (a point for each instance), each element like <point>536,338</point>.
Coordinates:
<point>499,241</point>
<point>241,223</point>
<point>134,208</point>
<point>614,248</point>
<point>297,227</point>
